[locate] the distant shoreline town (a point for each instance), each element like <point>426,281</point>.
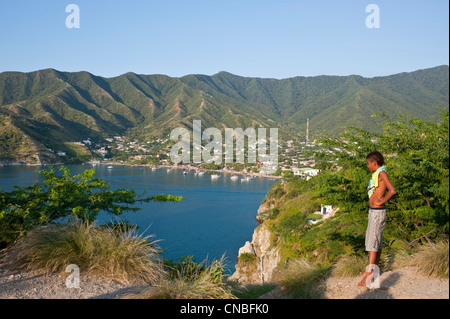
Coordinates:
<point>295,158</point>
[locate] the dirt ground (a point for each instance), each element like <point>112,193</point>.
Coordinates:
<point>403,283</point>
<point>16,284</point>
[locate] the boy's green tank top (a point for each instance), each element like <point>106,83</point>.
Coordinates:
<point>373,183</point>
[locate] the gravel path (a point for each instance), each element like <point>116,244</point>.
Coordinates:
<point>404,283</point>
<point>16,284</point>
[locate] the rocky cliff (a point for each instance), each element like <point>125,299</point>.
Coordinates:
<point>36,159</point>
<point>257,259</point>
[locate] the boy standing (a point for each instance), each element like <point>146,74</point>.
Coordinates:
<point>377,210</point>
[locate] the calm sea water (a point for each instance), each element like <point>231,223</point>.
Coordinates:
<point>216,217</point>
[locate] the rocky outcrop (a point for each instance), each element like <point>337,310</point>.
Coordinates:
<point>257,259</point>
<point>263,208</point>
<point>35,159</point>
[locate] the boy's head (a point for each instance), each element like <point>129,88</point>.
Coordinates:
<point>374,160</point>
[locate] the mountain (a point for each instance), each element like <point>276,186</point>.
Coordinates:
<point>48,108</point>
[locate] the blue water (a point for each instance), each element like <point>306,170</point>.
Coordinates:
<point>216,217</point>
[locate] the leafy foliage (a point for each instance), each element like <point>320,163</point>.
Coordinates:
<point>417,156</point>
<point>80,196</point>
<point>417,161</point>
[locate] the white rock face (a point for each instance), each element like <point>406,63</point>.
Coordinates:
<point>267,258</point>
<point>247,248</point>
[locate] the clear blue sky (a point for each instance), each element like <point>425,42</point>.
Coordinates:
<point>276,39</point>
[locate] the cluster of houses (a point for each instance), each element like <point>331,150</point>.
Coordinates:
<point>291,155</point>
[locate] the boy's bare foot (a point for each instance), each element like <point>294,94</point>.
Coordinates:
<point>362,283</point>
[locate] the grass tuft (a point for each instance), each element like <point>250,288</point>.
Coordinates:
<point>203,282</point>
<point>122,256</point>
<point>349,266</point>
<point>301,279</point>
<point>432,259</point>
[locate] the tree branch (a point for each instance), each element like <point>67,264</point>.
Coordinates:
<point>417,239</point>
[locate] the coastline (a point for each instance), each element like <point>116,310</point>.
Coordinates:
<point>168,166</point>
<point>187,168</point>
<point>223,172</point>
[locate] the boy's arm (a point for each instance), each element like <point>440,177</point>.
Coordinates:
<point>391,190</point>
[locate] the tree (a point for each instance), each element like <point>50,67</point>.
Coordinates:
<point>417,159</point>
<point>81,196</point>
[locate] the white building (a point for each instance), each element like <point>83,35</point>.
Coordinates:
<point>305,172</point>
<point>325,209</point>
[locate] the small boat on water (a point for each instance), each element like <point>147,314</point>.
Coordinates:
<point>200,173</point>
<point>110,167</point>
<point>215,176</point>
<point>246,179</point>
<point>184,173</point>
<point>234,178</point>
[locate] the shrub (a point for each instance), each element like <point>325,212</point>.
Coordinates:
<point>349,266</point>
<point>301,278</point>
<point>124,257</point>
<point>80,196</point>
<point>432,259</point>
<point>247,258</point>
<point>203,282</point>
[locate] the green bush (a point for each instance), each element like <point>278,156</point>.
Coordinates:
<point>201,281</point>
<point>80,196</point>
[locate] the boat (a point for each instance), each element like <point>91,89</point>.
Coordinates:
<point>200,173</point>
<point>110,166</point>
<point>234,178</point>
<point>184,173</point>
<point>214,176</point>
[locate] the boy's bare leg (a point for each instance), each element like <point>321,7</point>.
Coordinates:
<point>374,259</point>
<point>377,259</point>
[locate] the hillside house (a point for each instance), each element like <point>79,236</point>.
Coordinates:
<point>325,209</point>
<point>305,172</point>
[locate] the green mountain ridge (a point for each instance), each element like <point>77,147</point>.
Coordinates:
<point>50,107</point>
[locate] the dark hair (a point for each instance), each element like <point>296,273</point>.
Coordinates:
<point>376,156</point>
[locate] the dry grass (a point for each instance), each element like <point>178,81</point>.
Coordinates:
<point>206,282</point>
<point>432,259</point>
<point>349,266</point>
<point>301,279</point>
<point>120,255</point>
<point>124,257</point>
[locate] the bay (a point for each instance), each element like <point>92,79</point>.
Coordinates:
<point>216,217</point>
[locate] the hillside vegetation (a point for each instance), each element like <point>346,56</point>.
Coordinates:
<point>417,161</point>
<point>416,233</point>
<point>51,108</point>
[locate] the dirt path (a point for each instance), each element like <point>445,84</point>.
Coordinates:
<point>34,285</point>
<point>403,283</point>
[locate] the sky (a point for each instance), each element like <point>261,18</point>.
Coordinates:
<point>254,38</point>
